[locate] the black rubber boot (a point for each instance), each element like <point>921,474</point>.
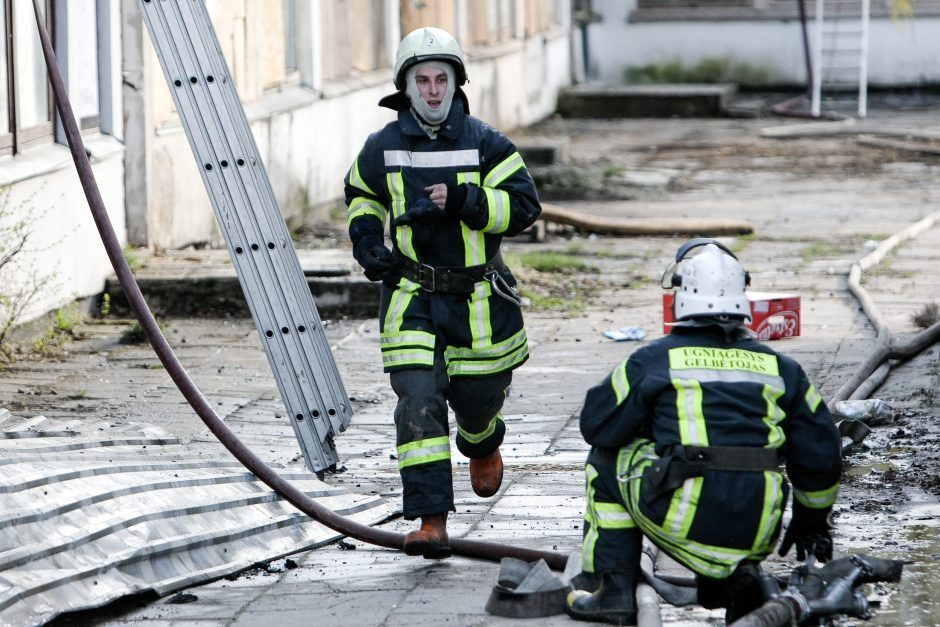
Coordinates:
<point>744,592</point>
<point>586,581</point>
<point>614,602</point>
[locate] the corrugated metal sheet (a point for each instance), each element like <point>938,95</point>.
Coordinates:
<point>85,520</point>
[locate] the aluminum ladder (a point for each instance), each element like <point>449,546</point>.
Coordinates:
<point>840,51</point>
<point>251,222</point>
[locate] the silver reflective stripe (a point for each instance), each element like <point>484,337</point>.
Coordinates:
<point>436,159</point>
<point>728,376</point>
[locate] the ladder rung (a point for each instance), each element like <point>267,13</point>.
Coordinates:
<point>247,211</point>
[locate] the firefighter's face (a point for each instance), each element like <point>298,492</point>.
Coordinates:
<point>432,85</point>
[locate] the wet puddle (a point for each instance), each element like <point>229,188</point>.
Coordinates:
<point>912,533</point>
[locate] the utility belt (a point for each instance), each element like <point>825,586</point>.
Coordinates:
<point>456,279</point>
<point>679,463</point>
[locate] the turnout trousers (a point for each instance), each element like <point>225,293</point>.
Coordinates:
<point>446,350</point>
<point>709,523</point>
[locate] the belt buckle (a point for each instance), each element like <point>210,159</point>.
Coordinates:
<point>426,276</point>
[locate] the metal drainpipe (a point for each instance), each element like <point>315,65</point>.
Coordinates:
<point>467,548</point>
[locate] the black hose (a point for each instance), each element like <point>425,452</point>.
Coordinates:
<point>467,548</point>
<point>774,613</point>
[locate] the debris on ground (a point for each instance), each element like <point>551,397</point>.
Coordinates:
<point>624,334</point>
<point>873,411</point>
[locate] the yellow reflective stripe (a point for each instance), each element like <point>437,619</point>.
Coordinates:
<point>490,359</point>
<point>397,305</point>
<point>682,508</point>
<point>474,246</point>
<point>478,317</point>
<point>706,358</point>
<point>361,206</point>
<point>504,170</point>
<point>408,357</point>
<point>423,452</point>
<point>590,520</point>
<point>771,512</point>
<point>497,209</point>
<point>403,234</point>
<point>468,177</point>
<point>476,438</point>
<point>488,367</point>
<point>356,180</point>
<point>494,350</point>
<point>773,417</point>
<point>613,516</point>
<point>813,399</point>
<point>819,499</point>
<point>718,562</point>
<point>689,409</point>
<point>701,558</point>
<point>411,338</point>
<point>618,380</point>
<point>708,560</point>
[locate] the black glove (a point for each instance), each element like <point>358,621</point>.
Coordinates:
<point>421,210</point>
<point>810,531</point>
<point>456,198</point>
<point>371,253</point>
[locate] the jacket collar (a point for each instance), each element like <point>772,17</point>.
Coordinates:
<point>450,128</point>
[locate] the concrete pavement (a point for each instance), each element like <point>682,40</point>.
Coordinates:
<point>810,227</point>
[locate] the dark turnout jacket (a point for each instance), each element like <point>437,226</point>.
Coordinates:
<point>694,388</point>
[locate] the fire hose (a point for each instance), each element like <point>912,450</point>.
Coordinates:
<point>290,493</point>
<point>468,548</point>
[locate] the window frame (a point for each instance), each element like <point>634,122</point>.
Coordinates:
<point>17,138</point>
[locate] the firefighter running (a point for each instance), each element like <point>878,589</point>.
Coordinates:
<point>686,438</point>
<point>451,326</point>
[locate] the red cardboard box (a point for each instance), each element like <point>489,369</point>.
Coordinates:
<point>774,315</point>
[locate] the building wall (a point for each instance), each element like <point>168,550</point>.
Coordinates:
<point>309,119</point>
<point>310,128</point>
<point>903,52</point>
<point>39,187</point>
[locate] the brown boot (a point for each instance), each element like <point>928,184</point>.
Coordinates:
<point>486,474</point>
<point>430,540</point>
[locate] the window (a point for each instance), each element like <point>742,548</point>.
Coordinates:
<point>290,36</point>
<point>490,22</point>
<point>81,55</point>
<point>26,106</point>
<point>353,37</point>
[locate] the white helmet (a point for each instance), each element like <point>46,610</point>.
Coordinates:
<point>711,283</point>
<point>428,44</point>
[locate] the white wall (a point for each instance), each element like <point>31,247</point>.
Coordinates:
<point>901,52</point>
<point>63,248</point>
<point>44,192</point>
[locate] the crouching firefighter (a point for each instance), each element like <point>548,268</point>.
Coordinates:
<point>688,436</point>
<point>450,187</point>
